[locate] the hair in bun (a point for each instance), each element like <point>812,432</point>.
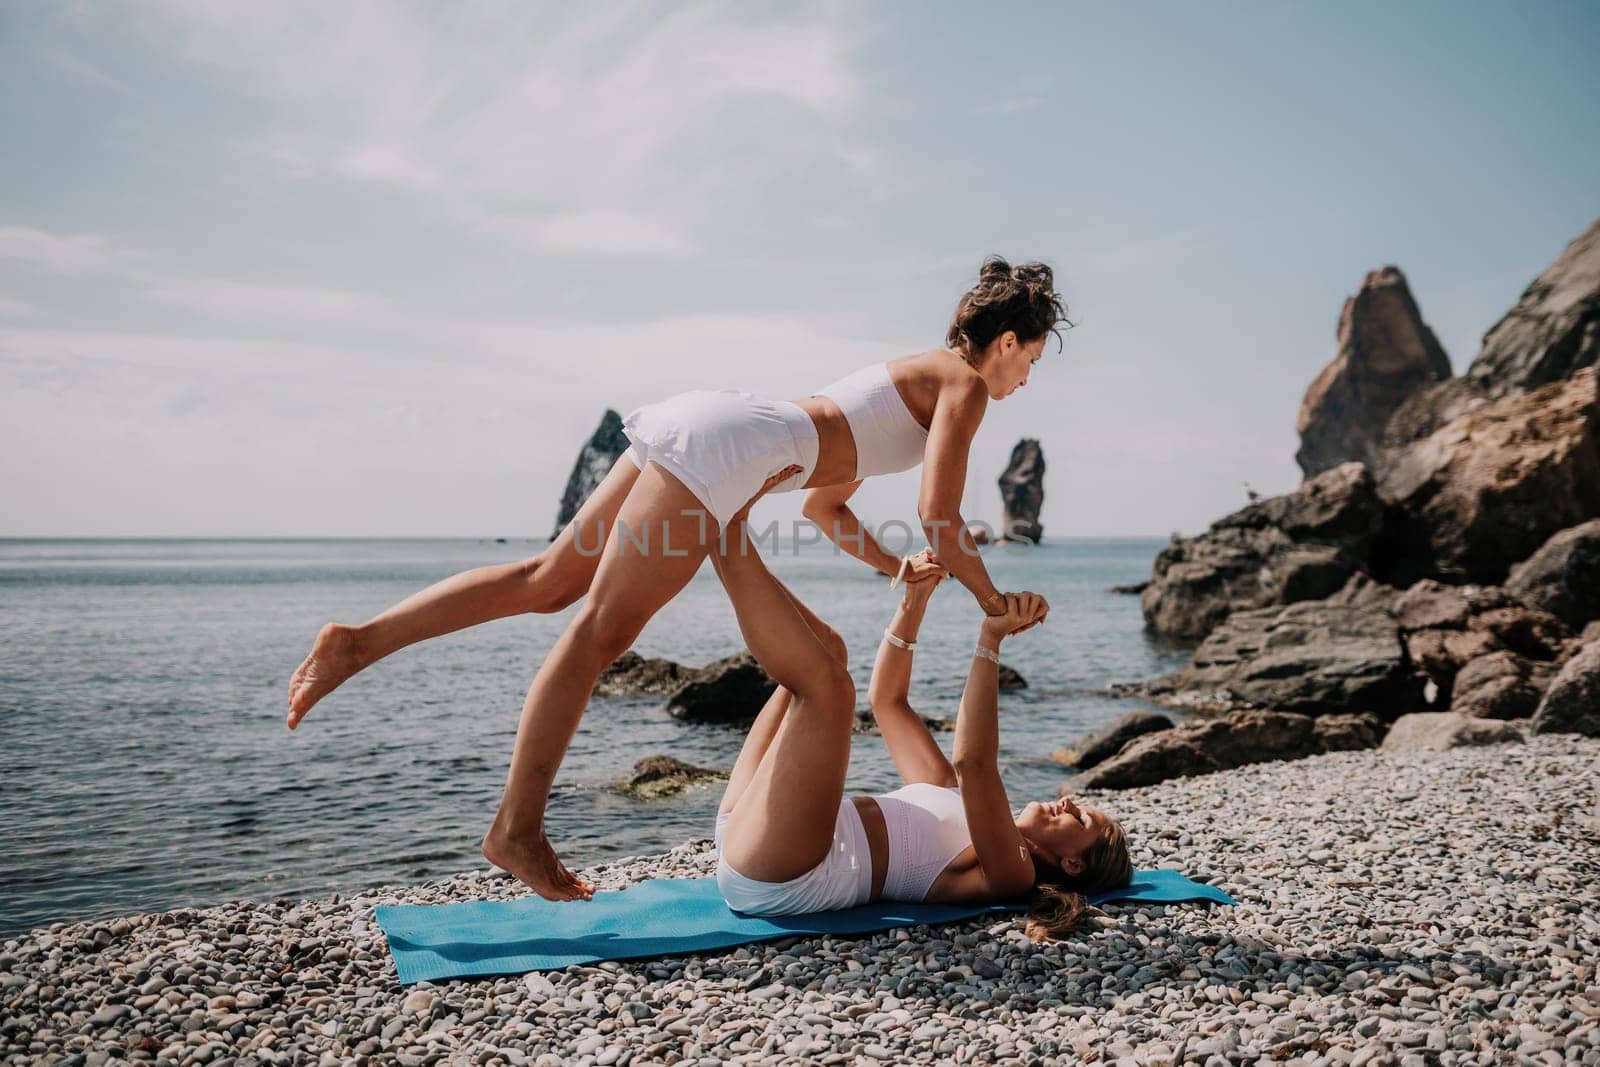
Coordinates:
<point>1021,299</point>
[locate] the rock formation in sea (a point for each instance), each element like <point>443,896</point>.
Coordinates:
<point>595,460</point>
<point>664,776</point>
<point>1022,492</point>
<point>1386,353</point>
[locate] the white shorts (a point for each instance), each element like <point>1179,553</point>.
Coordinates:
<point>724,444</point>
<point>842,880</point>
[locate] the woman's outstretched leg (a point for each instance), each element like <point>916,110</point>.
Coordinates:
<point>659,539</point>
<point>783,823</point>
<point>550,581</point>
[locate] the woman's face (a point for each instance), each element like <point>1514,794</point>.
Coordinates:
<point>1062,830</point>
<point>1009,364</point>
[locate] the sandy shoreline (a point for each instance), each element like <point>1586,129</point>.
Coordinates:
<point>1406,908</point>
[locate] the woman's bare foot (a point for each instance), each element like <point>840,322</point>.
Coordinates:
<point>334,658</point>
<point>534,863</point>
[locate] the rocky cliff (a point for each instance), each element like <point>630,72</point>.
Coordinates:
<point>595,460</point>
<point>1022,492</point>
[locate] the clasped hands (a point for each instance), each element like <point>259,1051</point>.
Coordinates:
<point>1005,615</point>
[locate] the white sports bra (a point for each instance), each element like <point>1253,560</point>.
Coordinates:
<point>888,437</point>
<point>927,829</point>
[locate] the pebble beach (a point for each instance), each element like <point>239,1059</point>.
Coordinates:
<point>1404,908</point>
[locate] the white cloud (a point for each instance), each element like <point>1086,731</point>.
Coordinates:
<point>632,119</point>
<point>55,253</point>
<point>227,298</point>
<point>16,309</point>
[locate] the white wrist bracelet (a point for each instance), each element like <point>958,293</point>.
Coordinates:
<point>897,643</point>
<point>988,654</point>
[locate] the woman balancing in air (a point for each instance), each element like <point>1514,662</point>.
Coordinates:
<point>790,842</point>
<point>693,461</point>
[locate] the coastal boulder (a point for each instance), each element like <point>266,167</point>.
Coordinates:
<point>631,674</point>
<point>1571,704</point>
<point>595,460</point>
<point>1563,577</point>
<point>1022,492</point>
<point>730,690</point>
<point>1347,733</point>
<point>1386,354</point>
<point>1304,545</point>
<point>1549,335</point>
<point>1489,487</point>
<point>1446,627</point>
<point>1091,749</point>
<point>1438,731</point>
<point>1501,685</point>
<point>1553,331</point>
<point>660,776</point>
<point>1008,677</point>
<point>1201,747</point>
<point>1314,657</point>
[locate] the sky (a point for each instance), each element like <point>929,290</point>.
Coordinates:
<point>375,269</point>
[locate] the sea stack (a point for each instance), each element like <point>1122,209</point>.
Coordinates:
<point>1386,354</point>
<point>1022,492</point>
<point>594,462</point>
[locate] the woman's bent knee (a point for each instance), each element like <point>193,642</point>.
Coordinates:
<point>546,588</point>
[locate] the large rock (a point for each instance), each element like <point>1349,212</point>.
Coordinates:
<point>1348,733</point>
<point>1303,545</point>
<point>1316,658</point>
<point>1563,577</point>
<point>1091,749</point>
<point>1201,747</point>
<point>595,461</point>
<point>1553,331</point>
<point>1022,492</point>
<point>631,674</point>
<point>1436,731</point>
<point>730,690</point>
<point>1491,486</point>
<point>1501,685</point>
<point>1549,335</point>
<point>1386,353</point>
<point>1572,703</point>
<point>1446,627</point>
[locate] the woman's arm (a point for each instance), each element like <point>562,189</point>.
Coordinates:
<point>1002,856</point>
<point>916,754</point>
<point>956,417</point>
<point>826,506</point>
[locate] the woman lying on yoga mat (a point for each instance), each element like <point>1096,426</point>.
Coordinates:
<point>790,842</point>
<point>692,461</point>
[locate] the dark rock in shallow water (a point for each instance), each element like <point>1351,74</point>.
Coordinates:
<point>1133,589</point>
<point>1316,658</point>
<point>1437,731</point>
<point>1201,747</point>
<point>1386,353</point>
<point>729,691</point>
<point>1304,545</point>
<point>1010,679</point>
<point>1487,489</point>
<point>1022,492</point>
<point>595,461</point>
<point>1571,704</point>
<point>659,776</point>
<point>1091,749</point>
<point>631,674</point>
<point>1563,577</point>
<point>1501,685</point>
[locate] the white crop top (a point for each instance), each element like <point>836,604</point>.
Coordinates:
<point>888,437</point>
<point>927,829</point>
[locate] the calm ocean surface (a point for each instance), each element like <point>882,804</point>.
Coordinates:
<point>145,764</point>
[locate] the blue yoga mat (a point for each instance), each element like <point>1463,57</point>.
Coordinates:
<point>658,917</point>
